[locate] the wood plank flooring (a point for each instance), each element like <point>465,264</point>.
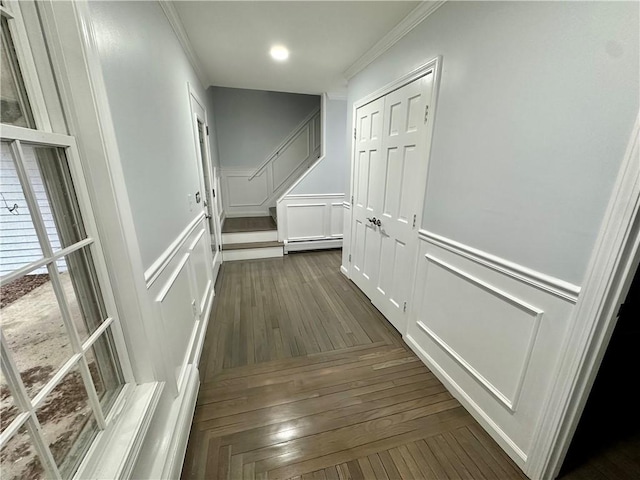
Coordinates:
<point>248,224</point>
<point>303,378</point>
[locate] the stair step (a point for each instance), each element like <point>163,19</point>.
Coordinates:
<point>242,246</point>
<point>248,224</point>
<point>273,211</point>
<point>250,237</point>
<point>252,250</point>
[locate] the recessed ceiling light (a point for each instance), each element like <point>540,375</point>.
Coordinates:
<point>279,53</point>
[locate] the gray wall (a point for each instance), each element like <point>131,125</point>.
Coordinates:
<point>250,124</point>
<point>213,138</point>
<point>536,107</point>
<point>330,174</point>
<point>146,74</point>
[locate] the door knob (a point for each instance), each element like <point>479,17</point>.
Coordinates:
<point>378,222</point>
<point>371,220</point>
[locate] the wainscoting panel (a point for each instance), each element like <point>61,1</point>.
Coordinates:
<point>180,285</point>
<point>311,218</point>
<point>306,221</point>
<point>239,191</point>
<point>489,336</point>
<point>203,276</point>
<point>178,317</point>
<point>336,219</point>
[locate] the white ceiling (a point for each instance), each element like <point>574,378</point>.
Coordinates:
<point>231,40</point>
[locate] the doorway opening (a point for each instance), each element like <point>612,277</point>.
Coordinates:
<point>606,443</point>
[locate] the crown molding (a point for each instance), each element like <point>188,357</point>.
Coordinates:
<point>178,28</point>
<point>407,24</point>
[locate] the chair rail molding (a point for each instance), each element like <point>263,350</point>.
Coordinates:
<point>153,272</point>
<point>555,286</point>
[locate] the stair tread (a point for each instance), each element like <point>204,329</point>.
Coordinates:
<point>248,224</point>
<point>241,246</point>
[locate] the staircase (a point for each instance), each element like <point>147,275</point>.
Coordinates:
<point>246,238</point>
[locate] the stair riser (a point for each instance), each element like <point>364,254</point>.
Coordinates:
<point>252,253</point>
<point>250,237</point>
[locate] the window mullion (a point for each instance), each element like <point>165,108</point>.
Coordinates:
<point>22,400</point>
<point>54,277</point>
<point>76,346</point>
<point>32,201</point>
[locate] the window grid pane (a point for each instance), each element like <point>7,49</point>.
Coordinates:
<point>18,458</point>
<point>15,103</point>
<point>99,363</point>
<point>67,421</point>
<point>18,238</point>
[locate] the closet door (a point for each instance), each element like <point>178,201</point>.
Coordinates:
<point>390,169</point>
<point>367,195</point>
<point>404,174</point>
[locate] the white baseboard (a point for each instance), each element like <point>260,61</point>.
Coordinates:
<point>312,245</point>
<point>250,237</point>
<point>252,253</point>
<point>344,271</point>
<point>518,456</point>
<point>174,458</point>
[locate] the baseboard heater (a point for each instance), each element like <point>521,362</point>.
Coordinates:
<point>304,245</point>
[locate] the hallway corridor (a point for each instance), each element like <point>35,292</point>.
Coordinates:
<point>303,378</point>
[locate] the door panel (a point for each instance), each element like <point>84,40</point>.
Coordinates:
<point>367,194</point>
<point>207,182</point>
<point>390,176</point>
<point>404,147</point>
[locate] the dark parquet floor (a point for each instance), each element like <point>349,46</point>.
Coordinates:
<point>303,378</point>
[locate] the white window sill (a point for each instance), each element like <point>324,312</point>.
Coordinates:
<point>114,451</point>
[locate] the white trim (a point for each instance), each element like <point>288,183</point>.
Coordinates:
<point>157,267</point>
<point>283,145</point>
<point>115,451</point>
<point>178,28</point>
<point>408,23</point>
<point>250,237</point>
<point>536,313</point>
<point>171,280</point>
<point>555,286</point>
<point>608,277</point>
<point>204,323</point>
<point>40,137</point>
<point>312,195</point>
<point>174,456</point>
<point>346,205</point>
<point>252,253</point>
<point>434,64</point>
<point>28,68</point>
<point>305,245</point>
<point>344,271</point>
<point>489,425</point>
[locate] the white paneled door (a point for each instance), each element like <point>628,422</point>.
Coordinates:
<point>391,153</point>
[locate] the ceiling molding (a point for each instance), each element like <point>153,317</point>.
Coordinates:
<point>407,24</point>
<point>176,24</point>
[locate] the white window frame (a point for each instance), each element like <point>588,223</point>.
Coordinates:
<point>129,416</point>
<point>18,136</point>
